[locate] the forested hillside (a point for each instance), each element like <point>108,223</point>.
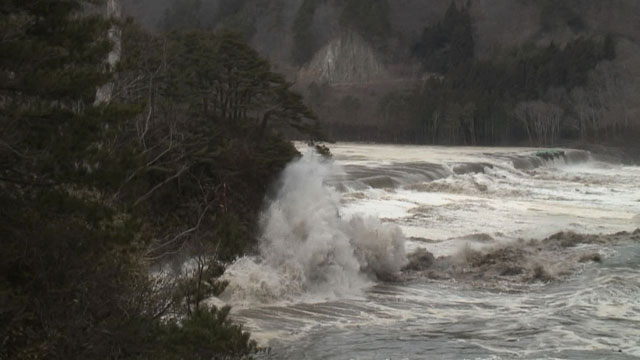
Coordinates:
<point>133,166</point>
<point>445,72</point>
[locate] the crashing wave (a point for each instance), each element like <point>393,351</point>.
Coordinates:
<point>308,249</point>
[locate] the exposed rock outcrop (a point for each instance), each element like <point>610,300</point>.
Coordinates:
<point>344,60</point>
<point>520,262</point>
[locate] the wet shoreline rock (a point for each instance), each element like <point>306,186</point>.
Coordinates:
<point>518,262</point>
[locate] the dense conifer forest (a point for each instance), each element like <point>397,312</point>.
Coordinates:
<point>120,210</point>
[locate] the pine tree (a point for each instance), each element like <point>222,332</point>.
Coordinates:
<point>447,44</point>
<point>369,18</point>
<point>82,186</point>
<point>50,69</point>
<point>67,270</point>
<point>305,43</point>
<point>225,80</point>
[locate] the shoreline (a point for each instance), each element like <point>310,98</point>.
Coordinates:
<point>626,154</point>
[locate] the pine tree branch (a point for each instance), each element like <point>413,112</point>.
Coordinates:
<point>155,188</point>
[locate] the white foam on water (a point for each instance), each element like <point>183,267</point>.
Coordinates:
<point>308,251</point>
<point>502,201</point>
<point>323,246</point>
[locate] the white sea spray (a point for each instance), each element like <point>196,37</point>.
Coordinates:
<point>307,249</point>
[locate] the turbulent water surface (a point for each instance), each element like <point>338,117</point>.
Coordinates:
<point>406,252</point>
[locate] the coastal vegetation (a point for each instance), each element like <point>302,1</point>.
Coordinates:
<point>118,216</point>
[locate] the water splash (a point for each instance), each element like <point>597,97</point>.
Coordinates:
<point>308,250</point>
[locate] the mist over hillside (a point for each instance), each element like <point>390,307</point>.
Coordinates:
<point>359,63</point>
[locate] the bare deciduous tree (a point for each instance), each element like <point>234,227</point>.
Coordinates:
<point>604,108</point>
<point>541,121</point>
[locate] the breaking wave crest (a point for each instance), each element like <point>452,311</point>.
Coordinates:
<point>549,158</point>
<point>307,249</point>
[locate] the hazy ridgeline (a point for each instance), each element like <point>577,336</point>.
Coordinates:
<point>440,72</point>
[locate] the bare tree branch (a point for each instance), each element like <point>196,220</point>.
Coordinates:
<point>160,185</point>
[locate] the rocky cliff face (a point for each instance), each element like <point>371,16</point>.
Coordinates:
<point>347,59</point>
